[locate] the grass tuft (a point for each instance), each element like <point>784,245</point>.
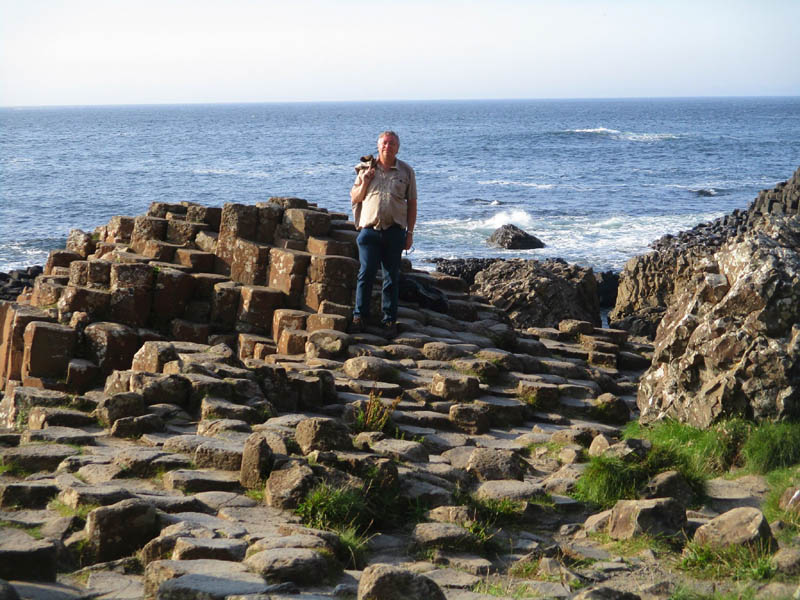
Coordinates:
<point>748,562</point>
<point>772,446</point>
<point>328,507</point>
<point>375,416</point>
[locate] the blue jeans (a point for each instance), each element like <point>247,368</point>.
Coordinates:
<point>384,247</point>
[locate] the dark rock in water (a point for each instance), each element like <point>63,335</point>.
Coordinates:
<point>728,342</point>
<point>465,268</point>
<point>540,293</point>
<point>706,193</point>
<point>513,238</point>
<point>607,285</point>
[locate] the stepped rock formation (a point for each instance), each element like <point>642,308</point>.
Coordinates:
<point>729,342</point>
<point>179,382</point>
<point>650,282</point>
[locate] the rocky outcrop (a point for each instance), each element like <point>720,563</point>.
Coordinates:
<point>465,268</point>
<point>512,237</point>
<point>729,343</point>
<point>649,283</point>
<point>540,293</point>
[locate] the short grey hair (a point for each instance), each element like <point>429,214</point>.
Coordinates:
<point>391,133</point>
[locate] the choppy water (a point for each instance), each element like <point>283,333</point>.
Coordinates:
<point>596,180</point>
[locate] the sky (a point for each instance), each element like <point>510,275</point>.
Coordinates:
<point>84,52</point>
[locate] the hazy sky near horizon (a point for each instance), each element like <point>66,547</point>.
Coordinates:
<point>64,52</point>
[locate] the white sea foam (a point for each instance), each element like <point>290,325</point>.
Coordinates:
<point>630,136</point>
<point>601,243</point>
<point>530,184</point>
<point>594,130</point>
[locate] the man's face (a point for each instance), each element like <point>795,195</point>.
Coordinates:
<point>387,148</point>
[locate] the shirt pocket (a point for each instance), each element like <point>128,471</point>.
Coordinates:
<point>399,187</point>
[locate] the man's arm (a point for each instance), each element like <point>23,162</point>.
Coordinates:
<point>359,190</point>
<point>412,221</point>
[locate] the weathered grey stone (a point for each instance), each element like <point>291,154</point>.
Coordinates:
<point>219,454</point>
<point>299,565</point>
<point>287,487</point>
<point>740,526</point>
<point>257,461</point>
<point>660,516</point>
<point>371,368</point>
<point>26,558</point>
<point>202,578</point>
<point>456,387</point>
<point>37,457</point>
<point>324,434</point>
<point>120,529</point>
<point>201,480</point>
<point>188,548</point>
<point>387,582</point>
<point>669,484</point>
<point>509,489</point>
<point>489,463</point>
<point>26,494</point>
<point>442,535</point>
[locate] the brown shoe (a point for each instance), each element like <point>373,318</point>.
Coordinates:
<point>390,329</point>
<point>357,325</point>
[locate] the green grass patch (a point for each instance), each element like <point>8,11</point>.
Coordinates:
<point>778,481</point>
<point>35,531</point>
<point>256,494</point>
<point>740,562</point>
<point>685,593</point>
<point>772,446</point>
<point>13,469</point>
<point>698,454</point>
<point>328,507</point>
<point>607,479</point>
<point>504,589</point>
<point>637,544</point>
<point>354,544</point>
<point>67,511</point>
<point>710,452</point>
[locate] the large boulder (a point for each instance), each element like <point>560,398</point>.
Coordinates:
<point>740,526</point>
<point>730,343</point>
<point>512,237</point>
<point>540,293</point>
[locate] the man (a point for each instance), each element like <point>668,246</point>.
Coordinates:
<point>384,200</point>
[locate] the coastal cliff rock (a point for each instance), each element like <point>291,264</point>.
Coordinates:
<point>540,293</point>
<point>649,283</point>
<point>729,342</point>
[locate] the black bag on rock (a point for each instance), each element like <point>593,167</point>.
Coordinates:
<point>427,296</point>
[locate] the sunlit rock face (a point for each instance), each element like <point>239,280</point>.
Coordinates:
<point>729,343</point>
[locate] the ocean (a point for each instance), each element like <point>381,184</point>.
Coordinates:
<point>596,180</point>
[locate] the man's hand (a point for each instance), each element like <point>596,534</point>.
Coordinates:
<point>409,240</point>
<point>369,174</point>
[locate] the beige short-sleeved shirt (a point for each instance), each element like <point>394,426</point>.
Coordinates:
<point>386,201</point>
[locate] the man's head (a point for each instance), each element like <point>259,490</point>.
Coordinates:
<point>388,146</point>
